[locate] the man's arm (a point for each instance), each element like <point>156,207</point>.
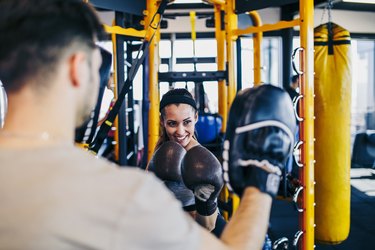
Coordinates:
<point>248,226</point>
<point>153,219</point>
<point>259,139</point>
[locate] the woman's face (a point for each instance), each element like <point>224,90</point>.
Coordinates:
<point>179,123</point>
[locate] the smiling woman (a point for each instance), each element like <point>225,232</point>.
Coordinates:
<point>178,116</point>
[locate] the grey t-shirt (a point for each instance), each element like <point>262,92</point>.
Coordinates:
<point>60,197</point>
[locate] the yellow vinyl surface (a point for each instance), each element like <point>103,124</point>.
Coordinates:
<point>332,83</point>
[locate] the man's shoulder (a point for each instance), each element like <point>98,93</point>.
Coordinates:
<point>99,179</point>
<point>73,165</point>
<point>102,169</point>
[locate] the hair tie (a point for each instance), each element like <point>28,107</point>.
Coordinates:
<point>176,99</point>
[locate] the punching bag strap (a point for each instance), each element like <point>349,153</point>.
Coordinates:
<point>330,28</point>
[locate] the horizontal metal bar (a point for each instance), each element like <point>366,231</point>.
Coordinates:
<point>267,27</point>
<point>197,76</point>
<point>125,32</point>
<point>196,60</point>
<point>190,60</point>
<point>220,2</point>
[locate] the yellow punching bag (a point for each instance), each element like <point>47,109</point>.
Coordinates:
<point>332,83</point>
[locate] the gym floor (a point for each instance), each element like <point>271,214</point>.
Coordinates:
<point>284,217</point>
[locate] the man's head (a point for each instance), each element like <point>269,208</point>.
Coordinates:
<point>42,38</point>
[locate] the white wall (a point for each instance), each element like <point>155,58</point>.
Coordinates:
<point>354,22</point>
<point>106,17</point>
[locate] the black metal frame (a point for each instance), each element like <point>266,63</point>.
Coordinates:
<point>126,136</point>
<point>195,76</point>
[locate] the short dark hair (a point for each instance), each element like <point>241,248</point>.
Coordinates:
<point>36,33</point>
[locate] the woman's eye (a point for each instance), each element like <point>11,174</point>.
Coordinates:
<point>187,122</point>
<point>171,124</point>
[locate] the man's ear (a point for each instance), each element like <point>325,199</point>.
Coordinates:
<point>77,68</point>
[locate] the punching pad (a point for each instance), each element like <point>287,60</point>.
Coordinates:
<point>332,82</point>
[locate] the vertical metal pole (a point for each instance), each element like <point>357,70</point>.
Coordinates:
<point>115,92</point>
<point>220,39</point>
<point>230,25</point>
<point>287,45</point>
<point>269,69</point>
<point>173,60</point>
<point>193,37</point>
<point>119,20</point>
<point>239,63</point>
<point>307,125</point>
<point>257,41</point>
<point>153,116</point>
<point>131,153</point>
<point>145,109</point>
<point>222,87</point>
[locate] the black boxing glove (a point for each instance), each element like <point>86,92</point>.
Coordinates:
<point>202,173</point>
<point>259,139</point>
<point>166,161</point>
<point>166,164</point>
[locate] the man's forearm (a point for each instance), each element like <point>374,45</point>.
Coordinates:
<point>248,226</point>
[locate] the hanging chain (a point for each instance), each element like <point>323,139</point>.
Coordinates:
<point>323,14</point>
<point>328,7</point>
